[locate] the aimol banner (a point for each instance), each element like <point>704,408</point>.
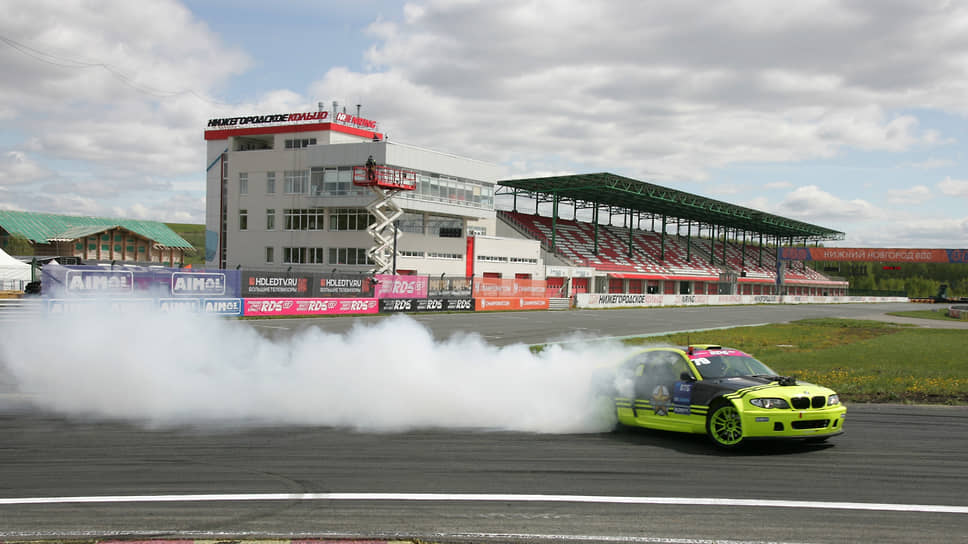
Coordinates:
<point>125,280</point>
<point>309,306</point>
<point>510,303</point>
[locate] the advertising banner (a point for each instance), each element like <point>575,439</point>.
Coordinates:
<point>501,287</point>
<point>388,305</point>
<point>269,284</point>
<point>132,280</point>
<point>391,286</point>
<point>222,306</point>
<point>510,303</point>
<point>450,287</point>
<point>309,306</point>
<point>199,284</point>
<point>91,305</point>
<point>99,282</point>
<point>325,286</point>
<point>874,254</point>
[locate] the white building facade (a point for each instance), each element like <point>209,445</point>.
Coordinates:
<point>280,196</point>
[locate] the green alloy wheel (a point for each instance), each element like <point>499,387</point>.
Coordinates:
<point>725,426</point>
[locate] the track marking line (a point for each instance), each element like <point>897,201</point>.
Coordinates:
<point>472,497</point>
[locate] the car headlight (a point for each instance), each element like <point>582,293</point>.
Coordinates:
<point>770,403</point>
<point>833,400</point>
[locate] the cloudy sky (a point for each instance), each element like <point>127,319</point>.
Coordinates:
<point>849,115</point>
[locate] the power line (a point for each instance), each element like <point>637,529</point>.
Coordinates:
<point>64,62</point>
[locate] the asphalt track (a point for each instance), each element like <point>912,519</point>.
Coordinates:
<point>899,474</point>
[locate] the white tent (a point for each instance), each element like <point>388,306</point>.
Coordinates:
<point>13,270</point>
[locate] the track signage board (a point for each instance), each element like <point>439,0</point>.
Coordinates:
<point>343,286</point>
<point>263,284</point>
<point>389,305</point>
<point>309,306</point>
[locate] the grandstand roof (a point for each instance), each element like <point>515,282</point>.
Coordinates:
<point>44,228</point>
<point>606,189</point>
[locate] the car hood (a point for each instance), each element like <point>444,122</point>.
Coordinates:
<point>773,384</point>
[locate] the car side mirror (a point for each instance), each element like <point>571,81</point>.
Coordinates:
<point>686,377</point>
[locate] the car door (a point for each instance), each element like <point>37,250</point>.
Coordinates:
<point>659,390</point>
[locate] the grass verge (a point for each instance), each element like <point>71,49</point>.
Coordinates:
<point>939,315</point>
<point>864,361</point>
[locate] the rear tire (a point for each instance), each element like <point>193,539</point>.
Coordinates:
<point>724,426</point>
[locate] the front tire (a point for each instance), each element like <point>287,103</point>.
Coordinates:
<point>724,426</point>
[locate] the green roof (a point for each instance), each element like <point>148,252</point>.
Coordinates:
<point>43,228</point>
<point>606,189</point>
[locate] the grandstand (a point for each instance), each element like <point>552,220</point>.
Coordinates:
<point>716,256</point>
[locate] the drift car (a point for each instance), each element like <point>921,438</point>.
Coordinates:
<point>722,392</point>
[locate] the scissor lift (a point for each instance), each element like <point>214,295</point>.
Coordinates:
<point>385,182</point>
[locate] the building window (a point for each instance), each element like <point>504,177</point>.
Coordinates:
<point>315,255</point>
<point>411,253</point>
<point>270,219</point>
<point>348,255</point>
<point>297,182</point>
<point>270,183</point>
<point>447,256</point>
<point>300,143</point>
<point>304,219</point>
<point>293,255</point>
<point>243,219</point>
<point>243,183</point>
<point>476,231</point>
<point>411,222</point>
<point>270,255</point>
<point>444,226</point>
<point>349,219</point>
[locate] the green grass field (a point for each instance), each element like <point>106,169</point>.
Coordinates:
<point>939,315</point>
<point>864,361</point>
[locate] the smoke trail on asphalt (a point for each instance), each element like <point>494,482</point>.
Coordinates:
<point>391,375</point>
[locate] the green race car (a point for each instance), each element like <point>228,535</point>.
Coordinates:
<point>722,392</point>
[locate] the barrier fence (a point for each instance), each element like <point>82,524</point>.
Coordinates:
<point>74,289</point>
<point>263,293</point>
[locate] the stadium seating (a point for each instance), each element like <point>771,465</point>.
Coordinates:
<point>575,243</point>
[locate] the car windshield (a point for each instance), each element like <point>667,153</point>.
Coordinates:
<point>724,366</point>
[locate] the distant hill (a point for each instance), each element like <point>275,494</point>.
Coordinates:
<point>194,235</point>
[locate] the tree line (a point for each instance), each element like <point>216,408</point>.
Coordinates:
<point>917,280</point>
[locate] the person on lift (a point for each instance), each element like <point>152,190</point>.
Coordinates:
<point>370,169</point>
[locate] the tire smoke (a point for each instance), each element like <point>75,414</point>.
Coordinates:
<point>392,375</point>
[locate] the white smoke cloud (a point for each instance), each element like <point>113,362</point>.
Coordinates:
<point>164,370</point>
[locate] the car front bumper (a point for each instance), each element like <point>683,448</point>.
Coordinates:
<point>760,423</point>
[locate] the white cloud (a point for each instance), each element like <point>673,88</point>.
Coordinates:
<point>954,187</point>
<point>666,93</point>
<point>17,168</point>
<point>910,196</point>
<point>117,92</point>
<point>810,203</point>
